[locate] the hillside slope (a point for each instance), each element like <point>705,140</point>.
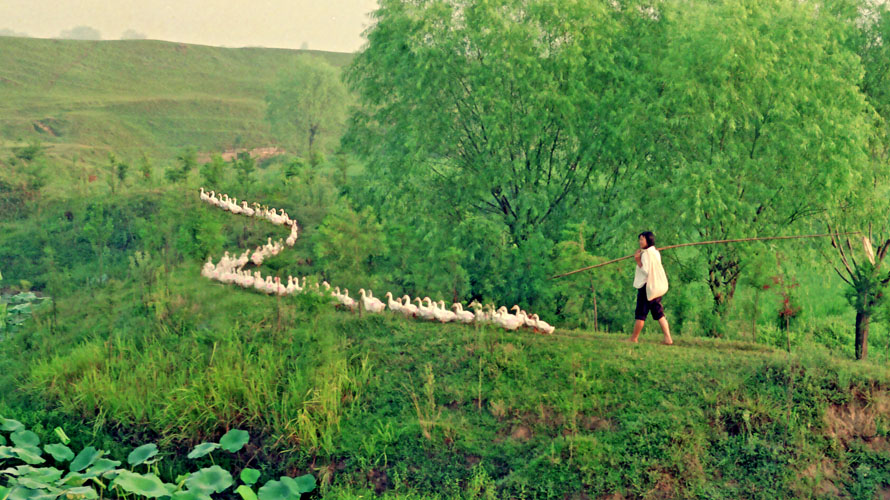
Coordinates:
<point>383,403</point>
<point>86,98</point>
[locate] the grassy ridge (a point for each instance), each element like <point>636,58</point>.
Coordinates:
<point>86,98</point>
<point>381,403</point>
<point>154,352</point>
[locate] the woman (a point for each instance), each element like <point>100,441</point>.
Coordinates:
<point>644,305</point>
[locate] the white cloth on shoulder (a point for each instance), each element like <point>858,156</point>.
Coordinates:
<point>656,279</point>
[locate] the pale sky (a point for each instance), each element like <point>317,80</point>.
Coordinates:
<point>334,25</point>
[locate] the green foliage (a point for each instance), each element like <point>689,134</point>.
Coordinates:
<point>98,229</point>
<point>210,480</point>
<point>141,454</point>
<point>753,143</point>
<point>146,169</point>
<point>186,161</point>
<point>309,101</point>
<point>346,243</point>
<point>212,171</point>
<point>244,166</point>
<point>26,481</point>
<point>249,476</point>
<point>29,153</point>
<point>233,440</point>
<point>438,121</point>
<point>202,450</point>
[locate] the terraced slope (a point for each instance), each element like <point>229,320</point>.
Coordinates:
<point>85,98</point>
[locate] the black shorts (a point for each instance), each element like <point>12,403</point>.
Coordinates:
<point>645,307</point>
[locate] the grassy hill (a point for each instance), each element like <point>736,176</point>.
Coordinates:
<point>380,403</point>
<point>83,99</point>
<point>148,350</point>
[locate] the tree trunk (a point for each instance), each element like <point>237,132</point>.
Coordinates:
<point>723,276</point>
<point>862,321</point>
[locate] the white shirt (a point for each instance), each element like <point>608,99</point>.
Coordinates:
<point>642,272</point>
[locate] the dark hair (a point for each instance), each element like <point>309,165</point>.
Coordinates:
<point>650,238</point>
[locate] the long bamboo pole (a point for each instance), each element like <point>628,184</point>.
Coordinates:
<point>712,242</point>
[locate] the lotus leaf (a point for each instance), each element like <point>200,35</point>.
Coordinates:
<point>305,483</point>
<point>25,438</point>
<point>82,492</point>
<point>3,492</point>
<point>147,485</point>
<point>250,476</point>
<point>210,480</point>
<point>6,452</point>
<point>299,485</point>
<point>2,440</point>
<point>10,425</point>
<point>246,493</point>
<point>42,474</point>
<point>73,478</point>
<point>291,485</point>
<point>85,458</point>
<point>141,454</point>
<point>22,493</point>
<point>34,484</point>
<point>275,490</point>
<point>202,449</point>
<point>102,466</point>
<point>190,495</point>
<point>234,440</point>
<point>59,452</point>
<point>28,454</point>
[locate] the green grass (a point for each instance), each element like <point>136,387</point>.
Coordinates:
<point>386,404</point>
<point>84,99</point>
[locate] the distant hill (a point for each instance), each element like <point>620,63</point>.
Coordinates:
<point>83,99</point>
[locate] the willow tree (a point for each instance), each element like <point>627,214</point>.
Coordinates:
<point>517,111</point>
<point>763,126</point>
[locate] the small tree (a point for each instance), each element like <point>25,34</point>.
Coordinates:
<point>212,171</point>
<point>186,162</point>
<point>98,231</point>
<point>867,283</point>
<point>145,169</point>
<point>117,172</point>
<point>244,166</point>
<point>308,101</point>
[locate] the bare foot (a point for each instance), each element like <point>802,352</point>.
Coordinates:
<point>667,343</point>
<point>632,341</point>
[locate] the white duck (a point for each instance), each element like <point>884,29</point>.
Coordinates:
<point>462,316</point>
<point>506,320</point>
<point>234,207</point>
<point>346,300</point>
<point>394,305</point>
<point>408,309</point>
<point>371,303</point>
<point>257,257</point>
<point>423,311</point>
<point>542,326</point>
<point>441,314</point>
<point>246,210</point>
<point>258,282</point>
<point>208,268</point>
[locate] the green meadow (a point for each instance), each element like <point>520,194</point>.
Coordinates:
<point>124,373</point>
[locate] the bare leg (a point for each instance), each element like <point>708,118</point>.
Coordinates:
<point>638,327</point>
<point>666,330</point>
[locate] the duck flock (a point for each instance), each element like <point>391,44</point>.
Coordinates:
<point>230,270</point>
